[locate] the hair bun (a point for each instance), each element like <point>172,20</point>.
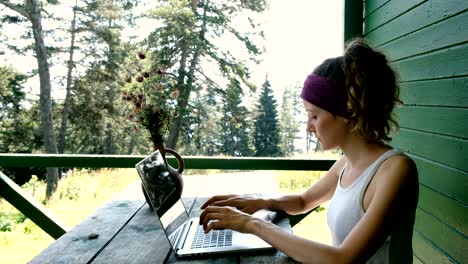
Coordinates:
<point>372,90</point>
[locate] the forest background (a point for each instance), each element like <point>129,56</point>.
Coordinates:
<point>237,66</point>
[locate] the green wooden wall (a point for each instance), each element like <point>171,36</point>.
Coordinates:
<point>427,43</point>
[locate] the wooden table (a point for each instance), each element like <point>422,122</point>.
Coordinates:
<point>127,231</point>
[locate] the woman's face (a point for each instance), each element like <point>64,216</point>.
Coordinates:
<point>329,130</point>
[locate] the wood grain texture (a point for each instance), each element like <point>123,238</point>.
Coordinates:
<point>446,180</point>
<point>391,10</point>
<point>128,232</point>
<point>427,252</point>
<point>449,211</point>
<point>445,63</point>
<point>438,120</point>
<point>442,235</point>
<point>427,43</point>
<point>416,260</point>
<point>426,14</point>
<point>437,36</point>
<point>371,6</point>
<point>105,222</point>
<point>451,92</point>
<point>142,240</point>
<point>446,150</point>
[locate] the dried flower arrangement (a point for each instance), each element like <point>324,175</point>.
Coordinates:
<point>153,95</point>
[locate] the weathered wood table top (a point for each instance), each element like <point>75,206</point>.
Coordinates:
<point>127,231</point>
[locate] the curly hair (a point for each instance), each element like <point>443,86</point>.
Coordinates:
<point>373,91</point>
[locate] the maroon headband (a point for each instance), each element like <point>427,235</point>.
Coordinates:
<point>328,94</point>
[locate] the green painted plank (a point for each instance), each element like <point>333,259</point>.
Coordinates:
<point>426,14</point>
<point>372,5</point>
<point>448,210</point>
<point>129,161</point>
<point>440,120</point>
<point>416,260</point>
<point>443,92</point>
<point>446,180</point>
<point>426,252</point>
<point>22,201</point>
<point>446,150</point>
<point>447,33</point>
<point>442,235</point>
<point>445,63</point>
<point>388,12</point>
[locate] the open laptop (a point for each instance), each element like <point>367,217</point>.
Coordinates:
<point>184,233</point>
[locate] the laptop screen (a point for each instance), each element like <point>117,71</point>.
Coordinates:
<point>162,192</point>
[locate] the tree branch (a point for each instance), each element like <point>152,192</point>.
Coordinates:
<point>15,7</point>
<point>208,79</point>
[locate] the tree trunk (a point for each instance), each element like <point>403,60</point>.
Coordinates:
<point>182,101</point>
<point>132,144</point>
<point>45,93</point>
<point>66,104</point>
<point>109,147</point>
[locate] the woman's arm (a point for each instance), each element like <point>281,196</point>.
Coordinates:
<point>292,204</point>
<point>394,189</point>
<point>318,193</point>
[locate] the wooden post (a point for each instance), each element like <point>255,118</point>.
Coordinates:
<point>353,19</point>
<point>30,208</point>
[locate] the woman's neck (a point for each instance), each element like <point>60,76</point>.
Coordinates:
<point>360,152</point>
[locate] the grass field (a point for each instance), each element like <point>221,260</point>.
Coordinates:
<point>83,191</point>
<point>314,226</point>
<point>78,195</point>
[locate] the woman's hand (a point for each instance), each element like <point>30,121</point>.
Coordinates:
<point>217,217</point>
<point>246,204</point>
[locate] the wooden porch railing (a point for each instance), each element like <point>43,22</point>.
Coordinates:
<point>34,211</point>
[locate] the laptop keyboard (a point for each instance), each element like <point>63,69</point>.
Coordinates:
<point>215,238</point>
<point>173,236</point>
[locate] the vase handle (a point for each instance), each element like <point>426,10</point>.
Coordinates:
<point>178,158</point>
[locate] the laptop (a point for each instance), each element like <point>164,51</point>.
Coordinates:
<point>185,235</point>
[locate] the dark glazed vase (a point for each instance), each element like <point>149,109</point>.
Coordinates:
<point>175,178</point>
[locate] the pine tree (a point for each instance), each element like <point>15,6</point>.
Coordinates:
<point>290,109</point>
<point>266,137</point>
<point>234,126</point>
<point>201,136</point>
<point>32,10</point>
<point>186,44</point>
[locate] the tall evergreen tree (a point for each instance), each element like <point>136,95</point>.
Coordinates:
<point>19,129</point>
<point>210,129</point>
<point>186,43</point>
<point>234,127</point>
<point>290,109</point>
<point>32,10</point>
<point>69,80</point>
<point>105,20</point>
<point>266,137</point>
<point>202,136</point>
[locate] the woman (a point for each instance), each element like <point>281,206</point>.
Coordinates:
<point>373,188</point>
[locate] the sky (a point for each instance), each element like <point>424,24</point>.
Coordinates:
<point>299,35</point>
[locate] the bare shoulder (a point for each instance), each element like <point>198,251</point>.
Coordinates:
<point>398,172</point>
<point>338,166</point>
<point>400,166</point>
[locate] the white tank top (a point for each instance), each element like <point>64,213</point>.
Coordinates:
<point>345,211</point>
